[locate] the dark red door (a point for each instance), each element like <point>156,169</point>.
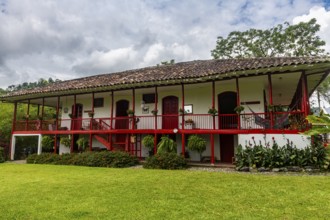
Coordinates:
<point>77,116</point>
<point>227,102</point>
<point>170,112</point>
<point>122,122</point>
<point>226,148</point>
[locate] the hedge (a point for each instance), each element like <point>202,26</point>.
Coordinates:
<point>91,159</point>
<point>167,161</point>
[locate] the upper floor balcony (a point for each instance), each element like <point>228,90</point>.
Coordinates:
<point>294,121</point>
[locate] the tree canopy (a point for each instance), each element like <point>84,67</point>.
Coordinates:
<point>29,85</point>
<point>281,40</point>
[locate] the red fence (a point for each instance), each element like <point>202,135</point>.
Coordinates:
<point>276,120</point>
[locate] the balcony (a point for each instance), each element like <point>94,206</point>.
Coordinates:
<point>251,121</point>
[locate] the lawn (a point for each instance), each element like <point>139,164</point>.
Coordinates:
<point>66,192</point>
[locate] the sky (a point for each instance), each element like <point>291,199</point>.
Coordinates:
<point>66,39</point>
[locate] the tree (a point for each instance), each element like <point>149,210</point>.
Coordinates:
<point>281,40</point>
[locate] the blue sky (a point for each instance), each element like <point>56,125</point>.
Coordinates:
<point>69,39</point>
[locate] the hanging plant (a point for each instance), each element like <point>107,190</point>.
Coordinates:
<point>66,141</point>
<point>239,109</point>
<point>166,144</point>
<point>154,112</point>
<point>130,112</point>
<point>197,143</point>
<point>148,142</point>
<point>212,111</point>
<point>82,143</point>
<point>181,111</point>
<point>71,115</point>
<point>91,114</point>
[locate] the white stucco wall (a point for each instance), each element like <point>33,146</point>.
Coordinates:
<point>299,140</point>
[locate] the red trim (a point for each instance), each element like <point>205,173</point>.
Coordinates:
<point>213,102</point>
<point>212,148</point>
<point>156,123</point>
<point>13,127</point>
<point>304,93</point>
<point>238,103</point>
<point>133,108</point>
<point>57,111</point>
<point>270,93</point>
<point>111,119</point>
<point>182,121</point>
<point>55,143</point>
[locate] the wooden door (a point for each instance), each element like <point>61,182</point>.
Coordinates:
<point>227,102</point>
<point>226,148</point>
<point>77,116</point>
<point>122,121</point>
<point>170,112</point>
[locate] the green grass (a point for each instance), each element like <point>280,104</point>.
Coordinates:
<point>67,192</point>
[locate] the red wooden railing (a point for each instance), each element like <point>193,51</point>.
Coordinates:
<point>281,120</point>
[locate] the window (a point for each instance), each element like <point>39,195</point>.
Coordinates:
<point>148,98</point>
<point>98,102</point>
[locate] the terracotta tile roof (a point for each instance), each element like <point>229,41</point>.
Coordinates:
<point>162,74</point>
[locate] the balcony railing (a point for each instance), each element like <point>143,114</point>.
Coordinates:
<point>254,121</point>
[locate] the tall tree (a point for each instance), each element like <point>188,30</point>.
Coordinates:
<point>281,40</point>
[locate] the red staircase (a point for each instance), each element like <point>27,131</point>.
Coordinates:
<point>123,143</point>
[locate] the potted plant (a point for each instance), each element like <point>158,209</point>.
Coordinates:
<point>47,143</point>
<point>148,142</point>
<point>71,115</point>
<point>197,143</point>
<point>82,143</point>
<point>154,112</point>
<point>130,112</point>
<point>212,111</point>
<point>66,141</point>
<point>166,144</point>
<point>189,123</point>
<point>238,109</point>
<point>91,114</point>
<point>270,108</point>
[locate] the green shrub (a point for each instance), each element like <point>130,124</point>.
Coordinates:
<point>148,142</point>
<point>275,157</point>
<point>47,143</point>
<point>92,159</point>
<point>2,155</point>
<point>166,144</point>
<point>197,143</point>
<point>167,161</point>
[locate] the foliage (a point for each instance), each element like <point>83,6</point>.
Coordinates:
<point>91,159</point>
<point>130,112</point>
<point>166,144</point>
<point>166,63</point>
<point>281,40</point>
<point>212,111</point>
<point>65,141</point>
<point>238,109</point>
<point>275,157</point>
<point>82,143</point>
<point>2,155</point>
<point>197,143</point>
<point>29,85</point>
<point>320,124</point>
<point>148,142</point>
<point>47,143</point>
<point>167,161</point>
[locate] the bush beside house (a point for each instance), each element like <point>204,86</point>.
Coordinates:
<point>92,159</point>
<point>285,158</point>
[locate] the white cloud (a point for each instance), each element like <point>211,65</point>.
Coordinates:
<point>323,19</point>
<point>67,39</point>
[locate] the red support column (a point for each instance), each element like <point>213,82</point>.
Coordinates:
<point>27,115</point>
<point>91,118</point>
<point>55,143</point>
<point>91,135</point>
<point>57,111</point>
<point>304,94</point>
<point>238,104</point>
<point>111,119</point>
<point>213,102</point>
<point>42,112</point>
<point>133,108</point>
<point>182,121</point>
<point>72,143</point>
<point>212,148</point>
<point>13,127</point>
<point>270,93</point>
<point>156,118</point>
